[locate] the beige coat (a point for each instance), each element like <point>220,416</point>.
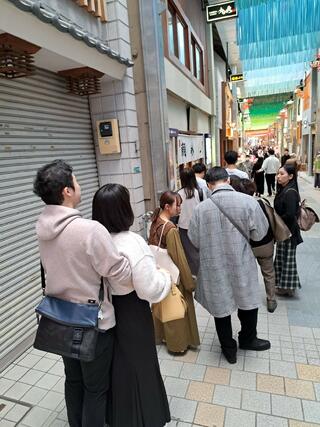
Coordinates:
<point>178,334</point>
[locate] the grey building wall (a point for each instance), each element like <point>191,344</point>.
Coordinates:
<point>117,100</point>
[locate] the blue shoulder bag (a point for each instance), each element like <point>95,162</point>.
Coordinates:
<point>67,328</point>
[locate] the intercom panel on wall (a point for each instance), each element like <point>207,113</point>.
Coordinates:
<point>108,136</point>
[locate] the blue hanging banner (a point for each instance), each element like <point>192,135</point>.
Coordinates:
<point>277,40</point>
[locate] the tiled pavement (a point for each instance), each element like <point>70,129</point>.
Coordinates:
<point>275,388</point>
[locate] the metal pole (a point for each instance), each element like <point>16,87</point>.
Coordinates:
<point>242,131</point>
<point>310,151</point>
<point>215,145</point>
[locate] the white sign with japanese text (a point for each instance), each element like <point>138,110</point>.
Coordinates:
<point>189,148</point>
<point>220,11</point>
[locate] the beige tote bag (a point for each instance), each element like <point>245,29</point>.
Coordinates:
<point>174,306</point>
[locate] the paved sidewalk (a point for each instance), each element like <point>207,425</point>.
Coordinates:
<point>276,388</point>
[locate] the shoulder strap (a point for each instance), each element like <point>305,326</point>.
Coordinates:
<point>164,225</point>
<point>293,189</point>
<point>230,220</point>
<point>265,201</point>
<point>43,279</point>
<point>200,192</point>
<point>43,285</point>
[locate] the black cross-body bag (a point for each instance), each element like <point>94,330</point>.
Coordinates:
<point>67,328</point>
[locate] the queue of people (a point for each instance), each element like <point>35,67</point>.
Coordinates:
<point>123,383</point>
<point>213,230</point>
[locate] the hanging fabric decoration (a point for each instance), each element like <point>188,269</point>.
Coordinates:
<point>277,40</point>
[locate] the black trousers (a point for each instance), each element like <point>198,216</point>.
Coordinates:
<point>271,182</point>
<point>248,320</point>
<point>87,384</point>
<point>317,180</point>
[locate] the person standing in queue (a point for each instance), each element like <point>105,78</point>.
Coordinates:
<point>190,199</point>
<point>138,395</point>
<point>183,333</point>
<point>287,204</point>
<point>75,253</point>
<point>221,228</point>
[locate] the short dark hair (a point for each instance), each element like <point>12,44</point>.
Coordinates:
<point>231,157</point>
<point>216,174</point>
<point>271,151</point>
<point>50,181</point>
<point>111,207</point>
<point>235,182</point>
<point>248,187</point>
<point>199,168</point>
<point>243,185</point>
<point>286,149</point>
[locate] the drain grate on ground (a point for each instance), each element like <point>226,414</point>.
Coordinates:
<point>13,410</point>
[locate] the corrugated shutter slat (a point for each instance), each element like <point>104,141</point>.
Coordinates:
<point>39,122</point>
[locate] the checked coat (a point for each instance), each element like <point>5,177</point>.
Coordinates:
<point>228,275</point>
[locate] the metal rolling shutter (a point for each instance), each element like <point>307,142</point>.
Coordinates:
<point>39,122</point>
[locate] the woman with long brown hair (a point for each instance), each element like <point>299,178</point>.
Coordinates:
<point>178,334</point>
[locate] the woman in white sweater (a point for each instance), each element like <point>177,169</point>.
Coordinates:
<point>138,395</point>
<point>190,200</point>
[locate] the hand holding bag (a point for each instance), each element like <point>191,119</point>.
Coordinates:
<point>174,306</point>
<point>66,328</point>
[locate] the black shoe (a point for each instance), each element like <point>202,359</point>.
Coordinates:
<point>271,305</point>
<point>257,345</point>
<point>231,358</point>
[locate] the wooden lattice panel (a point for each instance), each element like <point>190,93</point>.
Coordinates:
<point>96,7</point>
<point>16,57</point>
<point>82,81</point>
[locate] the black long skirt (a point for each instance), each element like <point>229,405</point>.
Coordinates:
<point>191,252</point>
<point>138,395</point>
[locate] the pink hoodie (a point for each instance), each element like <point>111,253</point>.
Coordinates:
<point>75,253</point>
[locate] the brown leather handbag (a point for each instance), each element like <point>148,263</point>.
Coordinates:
<point>279,229</point>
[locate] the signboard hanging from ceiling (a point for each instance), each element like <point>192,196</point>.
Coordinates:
<point>189,148</point>
<point>220,11</point>
<point>234,78</point>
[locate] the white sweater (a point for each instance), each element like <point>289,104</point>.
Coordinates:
<point>150,284</point>
<point>187,208</point>
<point>271,165</point>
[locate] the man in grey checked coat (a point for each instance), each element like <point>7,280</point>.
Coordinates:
<point>220,228</point>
